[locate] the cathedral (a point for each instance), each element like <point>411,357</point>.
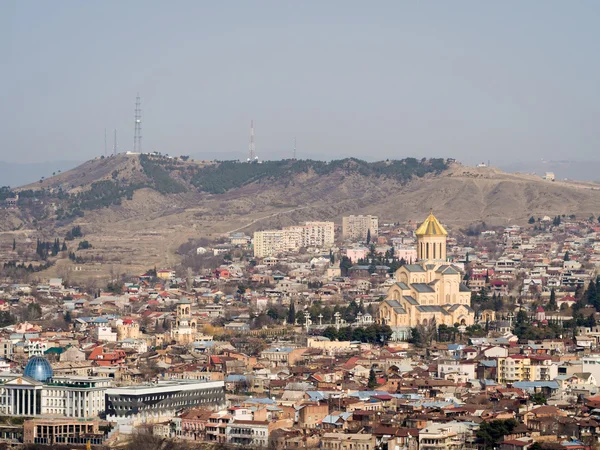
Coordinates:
<point>430,291</point>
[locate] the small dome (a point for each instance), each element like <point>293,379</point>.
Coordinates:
<point>38,368</point>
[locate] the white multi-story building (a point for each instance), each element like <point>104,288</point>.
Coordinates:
<point>59,396</point>
<point>357,227</point>
<point>248,433</point>
<point>104,334</point>
<point>267,243</point>
<point>293,238</point>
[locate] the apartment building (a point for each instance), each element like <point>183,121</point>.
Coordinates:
<point>445,436</point>
<point>517,368</point>
<point>293,238</point>
<point>357,227</point>
<point>248,433</point>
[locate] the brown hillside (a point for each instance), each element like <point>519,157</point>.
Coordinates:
<point>146,230</point>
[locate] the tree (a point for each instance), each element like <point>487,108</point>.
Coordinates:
<point>491,433</point>
<point>567,257</point>
<point>532,220</point>
<point>331,257</point>
<point>591,294</point>
<point>33,312</point>
<point>345,264</point>
<point>368,236</point>
<point>552,305</point>
<point>372,383</point>
<point>14,244</point>
<point>590,321</point>
<point>330,333</point>
<point>521,323</point>
<point>539,399</point>
<point>291,318</point>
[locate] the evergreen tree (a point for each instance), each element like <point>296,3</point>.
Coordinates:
<point>14,244</point>
<point>55,247</point>
<point>591,294</point>
<point>552,305</point>
<point>291,318</point>
<point>368,236</point>
<point>567,257</point>
<point>372,384</point>
<point>331,257</point>
<point>521,323</point>
<point>345,264</point>
<point>64,247</point>
<point>590,321</point>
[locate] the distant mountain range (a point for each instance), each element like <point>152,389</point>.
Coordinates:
<point>570,170</point>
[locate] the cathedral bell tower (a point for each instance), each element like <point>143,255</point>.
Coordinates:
<point>431,240</point>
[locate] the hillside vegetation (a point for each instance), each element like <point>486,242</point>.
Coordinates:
<point>176,176</point>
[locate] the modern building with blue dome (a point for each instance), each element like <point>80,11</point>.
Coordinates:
<point>37,392</point>
<point>39,369</point>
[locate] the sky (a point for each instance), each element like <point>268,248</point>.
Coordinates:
<point>477,81</point>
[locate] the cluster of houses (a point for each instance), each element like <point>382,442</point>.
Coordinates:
<point>220,356</point>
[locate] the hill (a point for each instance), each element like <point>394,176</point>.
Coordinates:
<point>136,210</point>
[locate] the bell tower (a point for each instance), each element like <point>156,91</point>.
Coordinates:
<point>431,240</point>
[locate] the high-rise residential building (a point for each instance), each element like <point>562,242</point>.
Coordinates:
<point>358,227</point>
<point>267,242</point>
<point>293,238</point>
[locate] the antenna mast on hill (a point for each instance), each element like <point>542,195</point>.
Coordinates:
<point>115,144</point>
<point>137,134</point>
<point>105,143</point>
<point>251,149</point>
<point>294,148</point>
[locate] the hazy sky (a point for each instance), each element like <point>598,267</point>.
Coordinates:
<point>467,79</point>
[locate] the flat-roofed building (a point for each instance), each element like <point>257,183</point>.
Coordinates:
<point>358,227</point>
<point>153,402</point>
<point>56,431</point>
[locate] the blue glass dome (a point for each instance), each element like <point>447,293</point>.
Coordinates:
<point>38,368</point>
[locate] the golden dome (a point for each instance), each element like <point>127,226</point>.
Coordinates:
<point>431,227</point>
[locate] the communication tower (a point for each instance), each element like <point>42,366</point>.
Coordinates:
<point>137,134</point>
<point>251,149</point>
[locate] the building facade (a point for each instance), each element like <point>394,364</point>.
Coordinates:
<point>72,396</point>
<point>62,432</point>
<point>152,403</point>
<point>358,227</point>
<point>291,239</point>
<point>428,292</point>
